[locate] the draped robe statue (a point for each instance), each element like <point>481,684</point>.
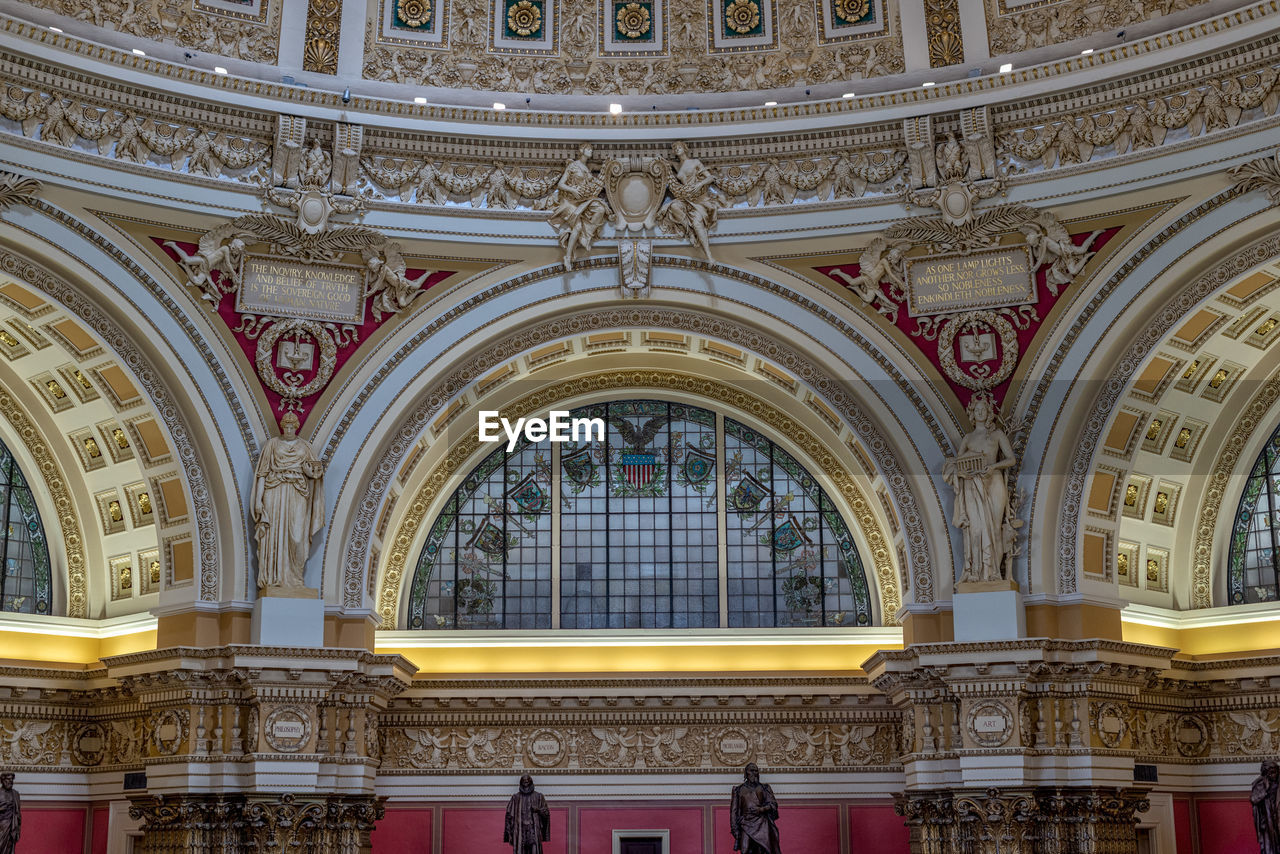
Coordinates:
<point>528,822</point>
<point>982,510</point>
<point>10,815</point>
<point>1265,797</point>
<point>752,812</point>
<point>288,507</point>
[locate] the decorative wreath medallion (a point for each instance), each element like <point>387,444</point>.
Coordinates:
<point>852,11</point>
<point>524,18</point>
<point>414,13</point>
<point>974,324</point>
<point>1110,724</point>
<point>990,723</point>
<point>742,16</point>
<point>633,20</point>
<point>287,729</point>
<point>732,747</point>
<point>1191,735</point>
<point>290,384</point>
<point>168,728</point>
<point>89,745</point>
<point>545,748</point>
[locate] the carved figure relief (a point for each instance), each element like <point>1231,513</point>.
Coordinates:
<point>985,511</point>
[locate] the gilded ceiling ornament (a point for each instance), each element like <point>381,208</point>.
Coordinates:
<point>414,13</point>
<point>742,16</point>
<point>942,27</point>
<point>852,11</point>
<point>634,20</point>
<point>324,30</point>
<point>524,18</point>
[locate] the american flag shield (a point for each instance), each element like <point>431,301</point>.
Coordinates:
<point>638,468</point>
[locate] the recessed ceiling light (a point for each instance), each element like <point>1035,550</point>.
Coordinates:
<point>928,84</point>
<point>55,29</point>
<point>137,52</point>
<point>218,69</point>
<point>847,95</point>
<point>499,106</point>
<point>615,109</point>
<point>419,100</point>
<point>1006,68</point>
<point>1086,51</point>
<point>771,103</point>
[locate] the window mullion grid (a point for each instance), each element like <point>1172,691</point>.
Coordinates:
<point>822,565</point>
<point>1269,456</point>
<point>556,538</point>
<point>771,522</point>
<point>722,527</point>
<point>671,524</point>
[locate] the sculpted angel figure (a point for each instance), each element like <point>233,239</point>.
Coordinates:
<point>1051,244</point>
<point>288,506</point>
<point>579,212</point>
<point>983,511</point>
<point>384,278</point>
<point>692,211</point>
<point>221,249</point>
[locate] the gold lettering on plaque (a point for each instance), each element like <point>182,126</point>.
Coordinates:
<point>986,278</point>
<point>283,288</point>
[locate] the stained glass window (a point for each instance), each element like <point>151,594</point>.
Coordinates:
<point>25,584</point>
<point>639,518</point>
<point>1253,563</point>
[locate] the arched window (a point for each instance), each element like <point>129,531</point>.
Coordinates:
<point>24,554</point>
<point>680,518</point>
<point>1254,560</point>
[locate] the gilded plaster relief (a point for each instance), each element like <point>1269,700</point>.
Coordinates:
<point>1014,26</point>
<point>248,30</point>
<point>645,47</point>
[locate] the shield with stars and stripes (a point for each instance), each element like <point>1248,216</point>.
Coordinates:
<point>638,468</point>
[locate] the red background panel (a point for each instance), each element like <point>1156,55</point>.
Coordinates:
<point>814,828</point>
<point>596,826</point>
<point>1182,825</point>
<point>403,831</point>
<point>52,830</point>
<point>478,830</point>
<point>1226,827</point>
<point>101,824</point>
<point>876,828</point>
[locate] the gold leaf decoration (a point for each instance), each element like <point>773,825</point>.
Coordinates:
<point>852,11</point>
<point>634,20</point>
<point>742,16</point>
<point>414,13</point>
<point>524,18</point>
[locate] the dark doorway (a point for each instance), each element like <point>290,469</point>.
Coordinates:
<point>640,845</point>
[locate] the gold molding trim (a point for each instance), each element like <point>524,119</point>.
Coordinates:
<point>881,554</point>
<point>56,482</point>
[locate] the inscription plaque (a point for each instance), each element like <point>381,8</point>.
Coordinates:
<point>984,278</point>
<point>284,288</point>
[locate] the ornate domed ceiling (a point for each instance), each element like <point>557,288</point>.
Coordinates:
<point>653,52</point>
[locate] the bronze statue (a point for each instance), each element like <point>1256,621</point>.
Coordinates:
<point>10,814</point>
<point>1265,797</point>
<point>752,812</point>
<point>528,820</point>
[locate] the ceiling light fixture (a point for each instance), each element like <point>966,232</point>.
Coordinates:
<point>615,109</point>
<point>499,106</point>
<point>218,69</point>
<point>137,52</point>
<point>419,100</point>
<point>1006,68</point>
<point>771,103</point>
<point>848,95</point>
<point>1086,51</point>
<point>928,84</point>
<point>55,29</point>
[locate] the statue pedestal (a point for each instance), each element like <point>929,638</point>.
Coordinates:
<point>988,611</point>
<point>292,619</point>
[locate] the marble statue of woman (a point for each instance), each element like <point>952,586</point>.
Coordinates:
<point>579,212</point>
<point>288,507</point>
<point>692,211</point>
<point>983,512</point>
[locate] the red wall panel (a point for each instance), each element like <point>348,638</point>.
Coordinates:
<point>52,830</point>
<point>101,824</point>
<point>1226,827</point>
<point>596,826</point>
<point>813,829</point>
<point>478,830</point>
<point>1182,825</point>
<point>403,831</point>
<point>876,828</point>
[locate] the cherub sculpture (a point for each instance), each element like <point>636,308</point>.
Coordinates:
<point>385,279</point>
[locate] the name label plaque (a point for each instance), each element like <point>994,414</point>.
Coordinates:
<point>284,288</point>
<point>984,278</point>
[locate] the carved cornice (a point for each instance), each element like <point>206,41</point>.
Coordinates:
<point>841,480</point>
